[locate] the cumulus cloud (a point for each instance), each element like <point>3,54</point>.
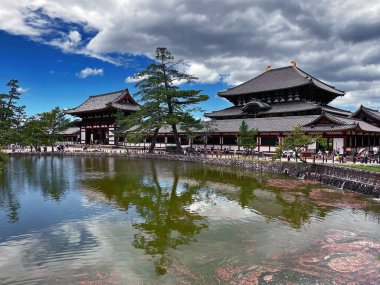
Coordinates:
<point>230,40</point>
<point>203,73</point>
<point>88,71</point>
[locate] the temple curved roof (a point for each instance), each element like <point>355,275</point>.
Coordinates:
<point>278,79</point>
<point>367,111</point>
<point>118,99</point>
<point>278,109</point>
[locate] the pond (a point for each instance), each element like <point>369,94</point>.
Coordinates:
<point>108,220</point>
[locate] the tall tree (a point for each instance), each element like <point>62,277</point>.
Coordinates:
<point>163,102</point>
<point>12,115</point>
<point>11,118</point>
<point>247,137</point>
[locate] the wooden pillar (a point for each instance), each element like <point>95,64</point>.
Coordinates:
<point>344,143</point>
<point>100,140</point>
<point>83,134</point>
<point>111,136</point>
<point>258,142</point>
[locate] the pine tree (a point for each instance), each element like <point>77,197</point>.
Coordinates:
<point>163,102</point>
<point>11,114</point>
<point>11,118</point>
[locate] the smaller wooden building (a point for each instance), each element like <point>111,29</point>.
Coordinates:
<point>98,116</point>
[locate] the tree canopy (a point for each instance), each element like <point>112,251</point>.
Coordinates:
<point>163,103</point>
<point>44,128</point>
<point>298,141</point>
<point>12,115</point>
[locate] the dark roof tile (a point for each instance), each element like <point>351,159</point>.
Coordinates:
<point>103,101</point>
<point>277,79</point>
<point>277,108</point>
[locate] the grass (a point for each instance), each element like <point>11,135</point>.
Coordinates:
<point>367,167</point>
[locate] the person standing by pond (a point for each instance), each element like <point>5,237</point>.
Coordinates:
<point>376,154</point>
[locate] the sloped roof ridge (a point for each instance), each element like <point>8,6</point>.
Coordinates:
<point>261,74</point>
<point>299,70</point>
<point>119,95</point>
<point>330,117</point>
<point>370,109</point>
<point>367,110</point>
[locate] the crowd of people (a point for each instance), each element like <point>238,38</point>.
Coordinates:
<point>364,155</point>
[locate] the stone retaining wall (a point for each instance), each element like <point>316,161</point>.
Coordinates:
<point>358,180</point>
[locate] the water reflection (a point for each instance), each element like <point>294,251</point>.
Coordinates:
<point>156,219</point>
<point>164,222</point>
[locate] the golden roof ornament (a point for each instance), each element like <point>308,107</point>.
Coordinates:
<point>294,63</point>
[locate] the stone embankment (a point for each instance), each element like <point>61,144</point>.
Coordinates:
<point>358,180</point>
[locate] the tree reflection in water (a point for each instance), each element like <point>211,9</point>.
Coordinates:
<point>165,222</point>
<point>159,195</point>
<point>49,175</point>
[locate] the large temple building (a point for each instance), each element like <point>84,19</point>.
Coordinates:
<point>273,102</point>
<point>278,99</point>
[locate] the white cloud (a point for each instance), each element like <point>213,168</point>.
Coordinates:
<point>233,39</point>
<point>204,74</point>
<point>22,89</point>
<point>88,71</point>
<point>132,79</point>
<point>74,37</point>
<point>68,42</point>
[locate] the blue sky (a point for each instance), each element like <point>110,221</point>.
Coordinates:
<point>62,51</point>
<point>50,77</point>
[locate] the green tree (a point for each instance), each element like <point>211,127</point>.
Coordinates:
<point>44,128</point>
<point>11,118</point>
<point>12,115</point>
<point>247,137</point>
<point>54,121</point>
<point>163,102</point>
<point>297,141</point>
<point>33,132</point>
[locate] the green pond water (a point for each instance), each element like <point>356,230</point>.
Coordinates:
<point>94,220</point>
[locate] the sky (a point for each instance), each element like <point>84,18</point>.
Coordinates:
<point>63,51</point>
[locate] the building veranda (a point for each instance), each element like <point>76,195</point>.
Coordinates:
<point>273,102</point>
